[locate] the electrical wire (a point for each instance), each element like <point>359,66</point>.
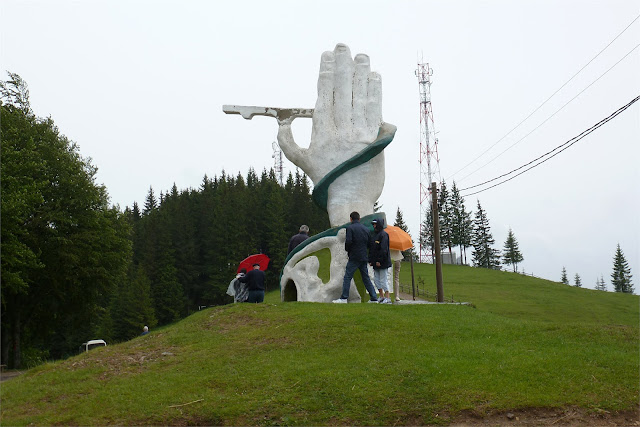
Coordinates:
<point>552,115</point>
<point>566,145</point>
<point>540,106</point>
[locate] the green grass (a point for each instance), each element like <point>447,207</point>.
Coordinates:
<point>525,297</point>
<point>527,343</point>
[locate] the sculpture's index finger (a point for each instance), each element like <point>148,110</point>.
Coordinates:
<point>323,114</point>
<point>363,68</point>
<point>327,61</point>
<point>343,91</point>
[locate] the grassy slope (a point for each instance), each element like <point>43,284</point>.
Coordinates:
<point>528,343</point>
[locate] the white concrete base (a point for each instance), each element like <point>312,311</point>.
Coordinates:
<point>302,272</point>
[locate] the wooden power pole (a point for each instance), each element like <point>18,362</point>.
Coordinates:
<point>436,238</point>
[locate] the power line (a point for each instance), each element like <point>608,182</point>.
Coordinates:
<point>566,145</point>
<point>545,101</point>
<point>552,115</point>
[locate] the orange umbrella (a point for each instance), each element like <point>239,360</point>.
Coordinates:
<point>398,238</point>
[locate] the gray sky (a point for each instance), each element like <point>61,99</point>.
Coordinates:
<point>140,85</point>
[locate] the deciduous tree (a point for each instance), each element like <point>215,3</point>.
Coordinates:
<point>63,248</point>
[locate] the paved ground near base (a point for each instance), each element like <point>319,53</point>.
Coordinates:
<point>406,299</point>
<point>9,374</point>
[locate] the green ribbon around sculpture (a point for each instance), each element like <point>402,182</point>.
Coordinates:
<point>320,192</point>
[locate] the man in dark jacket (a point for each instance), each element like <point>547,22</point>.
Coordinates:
<point>380,259</point>
<point>255,284</point>
<point>356,245</point>
<point>298,238</point>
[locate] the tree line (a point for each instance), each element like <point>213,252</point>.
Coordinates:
<point>75,268</point>
<point>620,275</point>
<point>457,228</point>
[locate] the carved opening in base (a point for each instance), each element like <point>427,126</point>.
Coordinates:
<point>290,291</point>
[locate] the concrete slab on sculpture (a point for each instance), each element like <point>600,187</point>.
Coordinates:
<point>314,270</point>
<point>345,161</point>
<point>300,280</point>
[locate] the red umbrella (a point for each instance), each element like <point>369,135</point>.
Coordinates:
<point>248,262</point>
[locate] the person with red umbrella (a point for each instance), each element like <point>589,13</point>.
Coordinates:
<point>249,262</point>
<point>255,284</point>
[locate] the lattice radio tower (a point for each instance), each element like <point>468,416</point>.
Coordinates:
<point>278,167</point>
<point>429,161</point>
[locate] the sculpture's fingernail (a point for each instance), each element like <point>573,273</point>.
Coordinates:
<point>328,56</point>
<point>361,58</point>
<point>327,62</point>
<point>341,48</point>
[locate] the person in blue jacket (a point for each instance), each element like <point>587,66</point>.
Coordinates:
<point>356,245</point>
<point>380,259</point>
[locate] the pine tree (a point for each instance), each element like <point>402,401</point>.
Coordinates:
<point>603,285</point>
<point>577,280</point>
<point>511,254</point>
<point>427,238</point>
<point>399,222</point>
<point>483,254</point>
<point>462,225</point>
<point>135,212</point>
<point>299,210</point>
<point>131,307</point>
<point>621,275</point>
<point>150,204</point>
<point>564,279</point>
<point>600,284</point>
<point>445,221</point>
<point>427,242</point>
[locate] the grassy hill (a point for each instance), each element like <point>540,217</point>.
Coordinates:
<point>526,345</point>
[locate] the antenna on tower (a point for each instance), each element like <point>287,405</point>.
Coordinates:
<point>278,162</point>
<point>429,161</point>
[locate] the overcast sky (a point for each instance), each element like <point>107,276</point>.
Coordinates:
<point>140,85</point>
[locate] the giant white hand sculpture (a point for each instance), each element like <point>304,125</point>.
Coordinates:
<point>344,160</point>
<point>346,122</point>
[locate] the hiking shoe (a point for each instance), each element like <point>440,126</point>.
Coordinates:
<point>339,301</point>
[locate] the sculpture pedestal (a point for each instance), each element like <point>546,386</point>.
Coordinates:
<point>314,271</point>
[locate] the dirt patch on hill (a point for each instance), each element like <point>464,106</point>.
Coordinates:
<point>549,417</point>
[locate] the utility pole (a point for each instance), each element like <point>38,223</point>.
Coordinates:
<point>436,238</point>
